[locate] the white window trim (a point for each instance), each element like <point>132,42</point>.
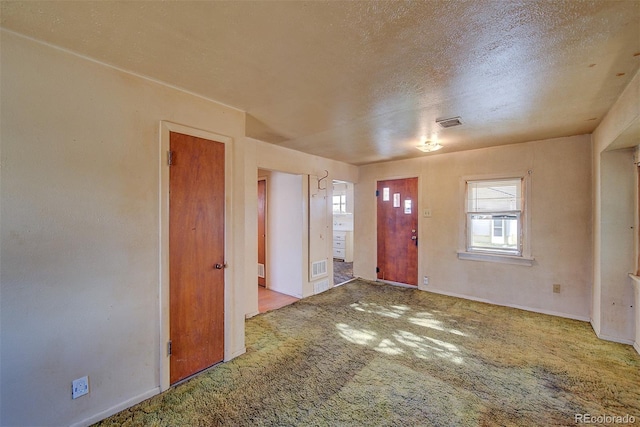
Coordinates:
<point>500,258</point>
<point>525,258</point>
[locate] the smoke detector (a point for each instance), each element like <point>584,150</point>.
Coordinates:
<point>450,122</point>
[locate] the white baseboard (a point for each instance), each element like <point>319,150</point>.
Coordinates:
<point>345,282</point>
<point>117,408</point>
<point>596,330</point>
<point>237,353</point>
<point>554,313</point>
<point>615,339</point>
<point>519,307</point>
<point>250,315</point>
<point>636,345</point>
<point>402,285</point>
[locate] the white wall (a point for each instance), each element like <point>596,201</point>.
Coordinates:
<point>80,231</point>
<point>285,230</point>
<point>275,158</point>
<point>617,221</point>
<point>636,286</point>
<point>615,204</point>
<point>319,218</point>
<point>560,213</point>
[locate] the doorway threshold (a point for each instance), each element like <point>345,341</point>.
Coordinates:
<point>402,285</point>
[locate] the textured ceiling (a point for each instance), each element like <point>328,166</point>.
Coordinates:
<point>364,82</point>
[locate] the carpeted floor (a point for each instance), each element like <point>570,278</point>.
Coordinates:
<point>369,354</point>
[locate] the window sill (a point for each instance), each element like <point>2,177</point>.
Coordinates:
<point>488,257</point>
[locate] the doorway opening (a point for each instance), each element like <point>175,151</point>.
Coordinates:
<point>280,241</point>
<point>343,201</point>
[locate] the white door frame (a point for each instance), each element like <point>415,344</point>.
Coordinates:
<point>165,129</point>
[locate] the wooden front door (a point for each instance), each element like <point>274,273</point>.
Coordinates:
<point>262,232</point>
<point>397,201</point>
<point>196,254</point>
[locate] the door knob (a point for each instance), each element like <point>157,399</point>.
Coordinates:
<point>414,237</point>
<point>220,266</point>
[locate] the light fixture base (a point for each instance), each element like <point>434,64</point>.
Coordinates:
<point>429,146</point>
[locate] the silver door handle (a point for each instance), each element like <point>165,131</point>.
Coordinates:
<point>414,237</point>
<point>220,266</point>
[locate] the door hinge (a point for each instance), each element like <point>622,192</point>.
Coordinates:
<point>377,193</point>
<point>169,158</point>
<point>169,348</point>
<point>377,269</point>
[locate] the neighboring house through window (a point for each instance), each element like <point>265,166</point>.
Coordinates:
<point>494,216</point>
<point>495,227</point>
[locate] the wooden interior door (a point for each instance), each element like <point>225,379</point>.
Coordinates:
<point>262,232</point>
<point>196,254</point>
<point>397,227</point>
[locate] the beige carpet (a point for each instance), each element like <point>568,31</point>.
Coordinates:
<point>368,354</point>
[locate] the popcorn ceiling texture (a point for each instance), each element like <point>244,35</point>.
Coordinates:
<point>372,354</point>
<point>360,81</point>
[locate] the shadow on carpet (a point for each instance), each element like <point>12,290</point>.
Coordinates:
<point>370,354</point>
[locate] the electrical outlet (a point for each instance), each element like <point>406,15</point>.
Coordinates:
<point>425,281</point>
<point>426,213</point>
<point>79,387</point>
<point>556,288</point>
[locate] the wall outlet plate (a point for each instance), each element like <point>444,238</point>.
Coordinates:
<point>425,280</point>
<point>79,387</point>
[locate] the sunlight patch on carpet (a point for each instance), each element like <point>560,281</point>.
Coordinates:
<point>367,353</point>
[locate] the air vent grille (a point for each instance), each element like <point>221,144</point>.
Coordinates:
<point>450,122</point>
<point>320,286</point>
<point>319,269</point>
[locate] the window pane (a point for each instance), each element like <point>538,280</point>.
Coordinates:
<point>407,206</point>
<point>340,203</point>
<point>494,233</point>
<point>494,196</point>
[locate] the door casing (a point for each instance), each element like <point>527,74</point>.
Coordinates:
<point>417,206</point>
<point>264,219</point>
<point>229,312</point>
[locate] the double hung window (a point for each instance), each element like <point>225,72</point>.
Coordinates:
<point>495,210</point>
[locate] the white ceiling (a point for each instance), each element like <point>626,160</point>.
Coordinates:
<point>364,82</point>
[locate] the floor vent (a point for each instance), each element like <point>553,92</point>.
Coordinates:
<point>320,286</point>
<point>261,270</point>
<point>319,268</point>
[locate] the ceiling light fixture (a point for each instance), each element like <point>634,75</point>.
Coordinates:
<point>429,146</point>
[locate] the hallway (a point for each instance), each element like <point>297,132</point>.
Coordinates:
<point>342,271</point>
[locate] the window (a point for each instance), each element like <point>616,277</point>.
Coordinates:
<point>494,214</point>
<point>340,203</point>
